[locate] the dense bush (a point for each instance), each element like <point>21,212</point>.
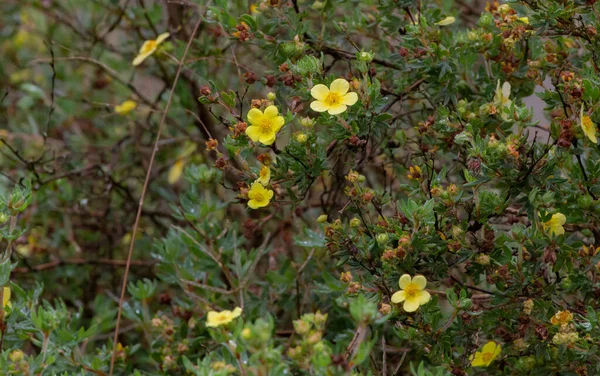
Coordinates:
<point>333,187</point>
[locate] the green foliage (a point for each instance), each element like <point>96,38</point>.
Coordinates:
<point>464,150</point>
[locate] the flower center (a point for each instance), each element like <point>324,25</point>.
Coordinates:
<point>222,317</point>
<point>149,46</point>
<point>486,356</point>
<point>265,126</point>
<point>333,98</point>
<point>258,197</point>
<point>411,291</point>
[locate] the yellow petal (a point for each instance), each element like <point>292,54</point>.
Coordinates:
<point>319,106</point>
<point>559,218</point>
<point>337,109</point>
<point>254,116</point>
<point>399,297</point>
<point>141,57</point>
<point>162,37</point>
<point>424,297</point>
<point>253,132</point>
<point>589,128</point>
<point>506,90</point>
<point>404,281</point>
<point>267,138</point>
<point>211,319</point>
<point>271,111</point>
<point>349,99</point>
<point>277,123</point>
<point>319,92</point>
<point>339,86</point>
<point>420,281</point>
<point>411,304</point>
<point>125,107</point>
<point>477,361</point>
<point>6,297</point>
<point>176,171</point>
<point>236,312</point>
<point>446,21</point>
<point>489,347</point>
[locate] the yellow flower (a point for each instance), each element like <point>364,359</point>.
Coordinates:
<point>568,338</point>
<point>501,99</point>
<point>125,107</point>
<point>215,319</point>
<point>488,353</point>
<point>175,171</point>
<point>264,175</point>
<point>446,21</point>
<point>413,292</point>
<point>259,196</point>
<point>414,173</point>
<point>6,297</point>
<point>264,126</point>
<point>525,20</point>
<point>334,99</point>
<point>561,318</point>
<point>148,48</point>
<point>589,128</point>
<point>555,225</point>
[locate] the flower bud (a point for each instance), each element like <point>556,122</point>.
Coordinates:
<point>354,222</point>
<point>271,96</point>
<point>367,57</point>
<point>382,238</point>
<point>322,218</point>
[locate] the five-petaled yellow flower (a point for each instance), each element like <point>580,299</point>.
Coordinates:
<point>125,107</point>
<point>561,318</point>
<point>264,175</point>
<point>588,126</point>
<point>148,48</point>
<point>555,225</point>
<point>413,292</point>
<point>502,100</point>
<point>215,319</point>
<point>334,99</point>
<point>414,173</point>
<point>264,125</point>
<point>259,196</point>
<point>488,353</point>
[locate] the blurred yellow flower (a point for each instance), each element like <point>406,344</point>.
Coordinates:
<point>525,20</point>
<point>588,126</point>
<point>215,319</point>
<point>259,196</point>
<point>555,225</point>
<point>125,107</point>
<point>334,99</point>
<point>413,292</point>
<point>264,176</point>
<point>561,318</point>
<point>148,48</point>
<point>446,21</point>
<point>486,356</point>
<point>414,173</point>
<point>264,126</point>
<point>502,100</point>
<point>176,171</point>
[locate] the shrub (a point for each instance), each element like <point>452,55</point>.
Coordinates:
<point>324,188</point>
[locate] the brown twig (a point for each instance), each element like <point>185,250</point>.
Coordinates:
<point>144,189</point>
